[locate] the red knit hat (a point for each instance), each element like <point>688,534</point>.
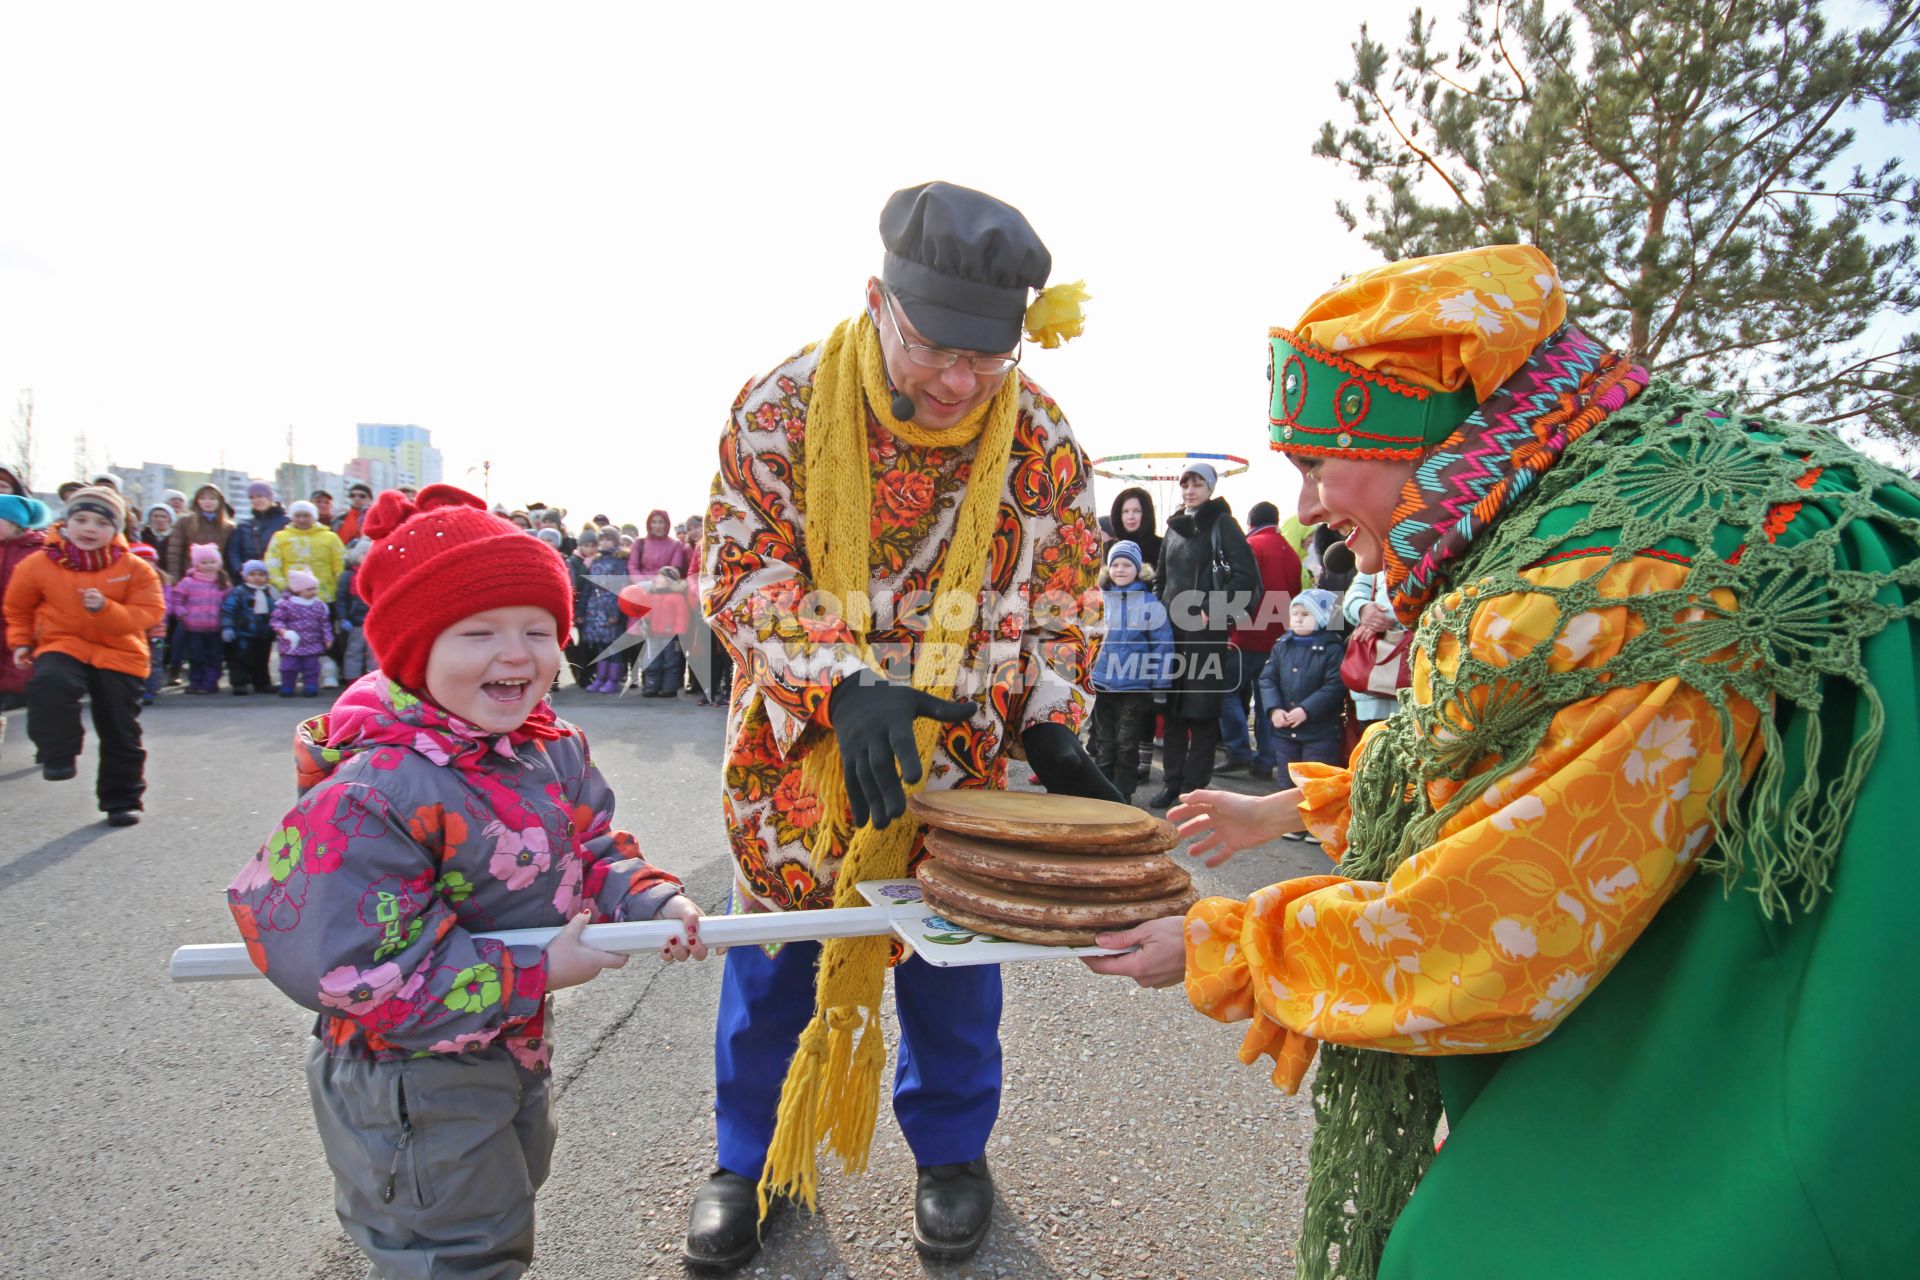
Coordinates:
<point>442,557</point>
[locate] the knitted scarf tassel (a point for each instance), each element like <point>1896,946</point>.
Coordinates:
<point>832,1090</point>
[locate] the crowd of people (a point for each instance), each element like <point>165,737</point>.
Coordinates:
<point>267,600</point>
<point>1226,645</point>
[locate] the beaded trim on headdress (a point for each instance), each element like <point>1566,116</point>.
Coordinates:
<point>1326,406</point>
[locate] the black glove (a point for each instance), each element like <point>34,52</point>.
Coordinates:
<point>873,722</point>
<point>1063,766</point>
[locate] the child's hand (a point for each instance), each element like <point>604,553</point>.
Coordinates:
<point>571,962</point>
<point>1279,718</point>
<point>23,656</point>
<point>680,907</point>
<point>92,601</point>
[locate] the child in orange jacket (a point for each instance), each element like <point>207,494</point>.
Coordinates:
<point>78,617</point>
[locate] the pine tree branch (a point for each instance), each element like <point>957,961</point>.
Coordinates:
<point>1843,379</point>
<point>1613,158</point>
<point>1706,353</point>
<point>1500,43</point>
<point>1428,161</point>
<point>1735,223</point>
<point>1864,411</point>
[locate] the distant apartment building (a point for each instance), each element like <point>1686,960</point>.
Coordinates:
<point>376,473</point>
<point>147,484</point>
<point>390,455</point>
<point>295,480</point>
<point>407,449</point>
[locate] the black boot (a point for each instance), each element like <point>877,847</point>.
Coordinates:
<point>723,1227</point>
<point>952,1207</point>
<point>1162,798</point>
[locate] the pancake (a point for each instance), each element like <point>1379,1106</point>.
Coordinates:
<point>1005,904</point>
<point>986,860</point>
<point>1037,820</point>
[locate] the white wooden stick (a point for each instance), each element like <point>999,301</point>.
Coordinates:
<point>211,962</point>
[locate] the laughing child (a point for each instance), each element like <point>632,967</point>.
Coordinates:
<point>441,798</point>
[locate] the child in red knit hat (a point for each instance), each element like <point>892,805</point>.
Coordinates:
<point>441,798</point>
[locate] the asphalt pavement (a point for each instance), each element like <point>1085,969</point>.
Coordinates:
<point>154,1130</point>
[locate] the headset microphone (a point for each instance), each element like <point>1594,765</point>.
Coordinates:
<point>902,406</point>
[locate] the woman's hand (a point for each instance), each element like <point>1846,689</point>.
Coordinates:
<point>682,946</point>
<point>1375,619</point>
<point>1161,959</point>
<point>571,962</point>
<point>1228,822</point>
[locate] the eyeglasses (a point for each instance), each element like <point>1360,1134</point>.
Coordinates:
<point>942,358</point>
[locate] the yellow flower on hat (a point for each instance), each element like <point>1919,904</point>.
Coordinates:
<point>1055,317</point>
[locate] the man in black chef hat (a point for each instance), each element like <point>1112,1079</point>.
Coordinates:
<point>896,470</point>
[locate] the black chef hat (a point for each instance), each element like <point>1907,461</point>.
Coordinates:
<point>961,263</point>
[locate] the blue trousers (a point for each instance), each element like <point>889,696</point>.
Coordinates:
<point>946,1082</point>
<point>1233,717</point>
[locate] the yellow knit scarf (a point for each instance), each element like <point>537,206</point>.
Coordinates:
<point>832,1089</point>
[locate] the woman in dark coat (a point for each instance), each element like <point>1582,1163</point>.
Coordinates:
<point>1132,520</point>
<point>1203,601</point>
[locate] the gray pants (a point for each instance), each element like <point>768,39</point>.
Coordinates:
<point>435,1160</point>
<point>353,662</point>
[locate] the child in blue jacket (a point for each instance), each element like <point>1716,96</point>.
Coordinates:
<point>246,627</point>
<point>1301,685</point>
<point>1132,668</point>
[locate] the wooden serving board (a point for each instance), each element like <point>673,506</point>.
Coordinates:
<point>985,860</point>
<point>1003,903</point>
<point>1037,820</point>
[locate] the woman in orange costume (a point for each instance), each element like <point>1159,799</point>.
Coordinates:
<point>1654,636</point>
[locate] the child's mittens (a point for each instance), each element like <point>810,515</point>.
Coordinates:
<point>290,636</point>
<point>226,635</point>
<point>346,624</point>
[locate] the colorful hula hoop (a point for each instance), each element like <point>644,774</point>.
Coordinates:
<point>1103,467</point>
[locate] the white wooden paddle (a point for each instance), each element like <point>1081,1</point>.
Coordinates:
<point>212,962</point>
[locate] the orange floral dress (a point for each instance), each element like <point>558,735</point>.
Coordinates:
<point>1527,897</point>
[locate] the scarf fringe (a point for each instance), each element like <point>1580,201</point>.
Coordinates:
<point>789,1169</point>
<point>853,1103</point>
<point>1375,1115</point>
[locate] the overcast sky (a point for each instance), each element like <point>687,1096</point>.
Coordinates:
<point>561,237</point>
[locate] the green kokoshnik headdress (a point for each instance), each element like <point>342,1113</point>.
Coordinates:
<point>1328,406</point>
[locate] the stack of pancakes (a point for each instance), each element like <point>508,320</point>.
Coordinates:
<point>1056,870</point>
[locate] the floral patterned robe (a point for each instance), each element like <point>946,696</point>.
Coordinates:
<point>1028,660</point>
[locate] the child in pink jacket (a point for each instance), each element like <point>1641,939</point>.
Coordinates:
<point>195,601</point>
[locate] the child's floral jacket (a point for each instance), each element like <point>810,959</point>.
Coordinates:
<point>415,831</point>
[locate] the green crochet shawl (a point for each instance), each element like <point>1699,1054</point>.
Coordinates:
<point>1818,545</point>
